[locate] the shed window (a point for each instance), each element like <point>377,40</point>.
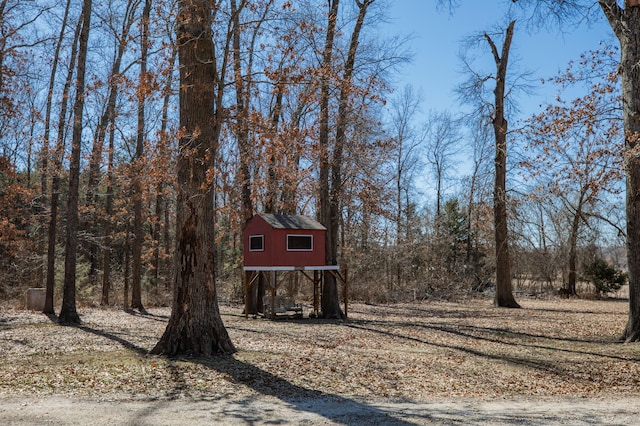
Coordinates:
<point>299,242</point>
<point>256,242</point>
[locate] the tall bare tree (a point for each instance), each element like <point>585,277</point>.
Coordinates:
<point>115,78</point>
<point>333,191</point>
<point>504,290</point>
<point>442,136</point>
<point>53,206</point>
<point>576,146</point>
<point>625,22</point>
<point>407,145</point>
<point>68,313</point>
<point>195,325</point>
<point>144,82</point>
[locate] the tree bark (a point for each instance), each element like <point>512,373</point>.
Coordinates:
<point>68,313</point>
<point>625,23</point>
<point>573,245</point>
<point>242,115</point>
<point>163,152</point>
<point>106,260</point>
<point>504,291</point>
<point>44,174</point>
<point>195,325</point>
<point>328,293</point>
<point>244,86</point>
<point>330,297</point>
<point>95,160</point>
<point>138,234</point>
<point>57,165</point>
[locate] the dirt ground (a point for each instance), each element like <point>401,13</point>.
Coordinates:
<point>267,410</point>
<point>555,361</point>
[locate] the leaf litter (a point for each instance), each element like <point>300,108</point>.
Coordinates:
<point>400,352</point>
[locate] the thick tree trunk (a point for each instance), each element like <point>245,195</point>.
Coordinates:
<point>68,313</point>
<point>626,25</point>
<point>504,291</point>
<point>195,326</point>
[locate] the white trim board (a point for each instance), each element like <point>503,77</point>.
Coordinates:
<point>293,268</point>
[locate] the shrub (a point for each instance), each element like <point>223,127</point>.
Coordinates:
<point>604,277</point>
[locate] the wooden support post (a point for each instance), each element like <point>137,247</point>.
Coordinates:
<point>346,294</point>
<point>246,293</point>
<point>273,295</point>
<point>316,292</point>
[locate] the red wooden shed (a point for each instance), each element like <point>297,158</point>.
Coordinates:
<point>290,243</point>
<point>277,240</point>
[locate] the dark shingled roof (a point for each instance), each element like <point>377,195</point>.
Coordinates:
<point>285,221</point>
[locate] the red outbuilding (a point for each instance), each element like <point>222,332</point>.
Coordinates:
<point>291,244</point>
<point>278,240</point>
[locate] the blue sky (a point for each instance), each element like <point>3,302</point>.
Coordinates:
<point>436,68</point>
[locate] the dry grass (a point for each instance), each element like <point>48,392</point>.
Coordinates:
<point>409,352</point>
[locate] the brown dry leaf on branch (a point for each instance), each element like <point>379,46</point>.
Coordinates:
<point>406,352</point>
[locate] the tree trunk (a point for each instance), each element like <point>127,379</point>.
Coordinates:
<point>504,291</point>
<point>573,236</point>
<point>58,157</point>
<point>68,313</point>
<point>330,294</point>
<point>92,219</point>
<point>48,307</point>
<point>162,208</point>
<point>626,25</point>
<point>106,260</point>
<point>243,86</point>
<point>127,266</point>
<point>138,234</point>
<point>329,291</point>
<point>272,178</point>
<point>573,243</point>
<point>195,326</point>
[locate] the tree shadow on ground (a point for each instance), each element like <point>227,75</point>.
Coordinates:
<point>125,343</point>
<point>536,363</point>
<point>329,407</point>
<point>147,315</point>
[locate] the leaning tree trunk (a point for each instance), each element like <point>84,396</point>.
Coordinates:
<point>504,291</point>
<point>68,313</point>
<point>195,326</point>
<point>626,25</point>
